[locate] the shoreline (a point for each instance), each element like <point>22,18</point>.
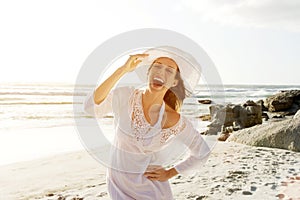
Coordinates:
<point>21,145</point>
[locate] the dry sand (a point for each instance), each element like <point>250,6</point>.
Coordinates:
<point>233,171</point>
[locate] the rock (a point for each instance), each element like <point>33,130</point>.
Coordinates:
<point>294,93</point>
<point>223,137</point>
<point>214,127</point>
<point>278,116</point>
<point>278,102</point>
<point>280,196</point>
<point>282,101</point>
<point>246,193</point>
<point>253,188</point>
<point>214,111</point>
<point>215,123</point>
<point>233,117</point>
<point>283,104</point>
<point>297,115</point>
<point>237,125</point>
<point>212,131</point>
<point>201,197</point>
<point>228,129</point>
<point>230,118</point>
<point>205,101</point>
<point>261,103</point>
<point>297,101</point>
<point>281,114</point>
<point>61,198</point>
<point>249,103</point>
<point>77,198</point>
<point>293,109</point>
<point>284,134</point>
<point>205,117</point>
<point>265,116</point>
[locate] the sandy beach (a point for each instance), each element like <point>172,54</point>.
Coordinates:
<point>233,171</point>
<point>235,71</point>
<point>45,159</point>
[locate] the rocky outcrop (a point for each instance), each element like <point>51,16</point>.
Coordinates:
<point>287,102</point>
<point>284,134</point>
<point>233,117</point>
<point>229,118</point>
<point>261,103</point>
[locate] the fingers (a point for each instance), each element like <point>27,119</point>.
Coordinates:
<point>157,177</point>
<point>135,58</point>
<point>136,62</point>
<point>151,172</point>
<point>152,176</point>
<point>139,55</point>
<point>155,173</point>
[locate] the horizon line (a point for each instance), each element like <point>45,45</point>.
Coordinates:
<point>72,83</point>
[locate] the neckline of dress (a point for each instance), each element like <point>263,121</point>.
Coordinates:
<point>140,102</point>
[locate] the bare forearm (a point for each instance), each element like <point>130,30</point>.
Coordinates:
<point>102,91</point>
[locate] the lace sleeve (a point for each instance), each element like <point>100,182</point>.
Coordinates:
<point>115,100</point>
<point>199,152</point>
<point>98,110</point>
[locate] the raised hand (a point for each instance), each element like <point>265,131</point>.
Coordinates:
<point>133,61</point>
<point>102,91</point>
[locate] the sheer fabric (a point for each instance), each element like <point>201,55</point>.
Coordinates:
<point>138,145</point>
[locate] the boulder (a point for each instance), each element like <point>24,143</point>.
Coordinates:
<point>205,101</point>
<point>261,103</point>
<point>223,137</point>
<point>282,101</point>
<point>233,117</point>
<point>283,134</point>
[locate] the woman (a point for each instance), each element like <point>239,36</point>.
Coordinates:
<point>150,131</point>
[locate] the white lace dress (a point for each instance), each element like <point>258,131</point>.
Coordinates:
<point>138,144</point>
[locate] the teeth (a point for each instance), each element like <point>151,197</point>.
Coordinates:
<point>158,79</point>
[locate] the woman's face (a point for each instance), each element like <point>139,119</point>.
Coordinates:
<point>162,74</point>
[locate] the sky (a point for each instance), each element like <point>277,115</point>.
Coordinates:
<point>250,41</point>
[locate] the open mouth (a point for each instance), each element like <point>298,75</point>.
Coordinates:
<point>158,82</point>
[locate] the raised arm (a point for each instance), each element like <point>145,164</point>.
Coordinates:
<point>103,90</point>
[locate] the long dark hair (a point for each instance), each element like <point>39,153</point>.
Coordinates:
<point>175,95</point>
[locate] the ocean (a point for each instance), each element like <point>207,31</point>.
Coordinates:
<point>26,108</point>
